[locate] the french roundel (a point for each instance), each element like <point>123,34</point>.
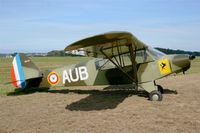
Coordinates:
<point>53,78</point>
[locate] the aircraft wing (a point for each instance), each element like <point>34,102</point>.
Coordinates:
<point>112,43</point>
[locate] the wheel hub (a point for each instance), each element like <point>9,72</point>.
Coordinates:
<point>155,97</point>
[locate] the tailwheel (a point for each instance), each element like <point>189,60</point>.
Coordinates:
<point>155,96</point>
<point>160,89</point>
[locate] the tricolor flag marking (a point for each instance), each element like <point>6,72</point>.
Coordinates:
<point>17,75</point>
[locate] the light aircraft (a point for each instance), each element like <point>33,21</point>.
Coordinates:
<point>119,58</point>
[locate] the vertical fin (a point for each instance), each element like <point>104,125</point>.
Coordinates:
<point>24,73</point>
<point>17,74</point>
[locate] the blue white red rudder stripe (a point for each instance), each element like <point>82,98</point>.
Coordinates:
<point>17,74</point>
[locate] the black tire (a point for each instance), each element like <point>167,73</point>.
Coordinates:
<point>155,96</point>
<point>160,89</point>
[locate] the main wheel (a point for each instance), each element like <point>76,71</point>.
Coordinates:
<point>160,89</point>
<point>155,96</point>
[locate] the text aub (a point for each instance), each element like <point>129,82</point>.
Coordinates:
<point>80,74</point>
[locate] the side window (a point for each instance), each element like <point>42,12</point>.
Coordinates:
<point>142,56</point>
<point>102,64</point>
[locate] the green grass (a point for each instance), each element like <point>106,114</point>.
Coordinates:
<point>45,63</point>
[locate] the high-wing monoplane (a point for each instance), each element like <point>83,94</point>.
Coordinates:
<point>119,59</point>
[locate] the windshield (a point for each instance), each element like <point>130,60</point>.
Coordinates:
<point>155,53</point>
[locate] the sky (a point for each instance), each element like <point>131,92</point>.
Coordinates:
<point>45,25</point>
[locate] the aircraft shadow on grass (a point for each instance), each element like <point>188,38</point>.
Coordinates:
<point>101,100</point>
<point>108,98</point>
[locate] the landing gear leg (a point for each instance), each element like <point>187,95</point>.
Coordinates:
<point>160,89</point>
<point>155,92</point>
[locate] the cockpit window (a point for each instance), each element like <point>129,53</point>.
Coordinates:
<point>155,53</point>
<point>142,56</point>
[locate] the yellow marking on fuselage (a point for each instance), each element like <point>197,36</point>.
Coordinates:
<point>164,66</point>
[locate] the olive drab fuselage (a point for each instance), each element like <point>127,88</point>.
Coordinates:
<point>99,71</point>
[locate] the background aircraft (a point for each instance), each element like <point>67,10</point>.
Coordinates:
<point>119,58</point>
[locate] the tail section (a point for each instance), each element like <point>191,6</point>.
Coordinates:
<point>17,74</point>
<point>24,73</point>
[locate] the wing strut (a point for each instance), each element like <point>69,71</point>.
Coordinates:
<point>133,56</point>
<point>131,51</point>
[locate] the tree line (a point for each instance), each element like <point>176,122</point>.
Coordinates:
<point>171,51</point>
<point>164,50</point>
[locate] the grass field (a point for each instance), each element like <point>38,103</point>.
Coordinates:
<point>45,63</point>
<point>99,110</point>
